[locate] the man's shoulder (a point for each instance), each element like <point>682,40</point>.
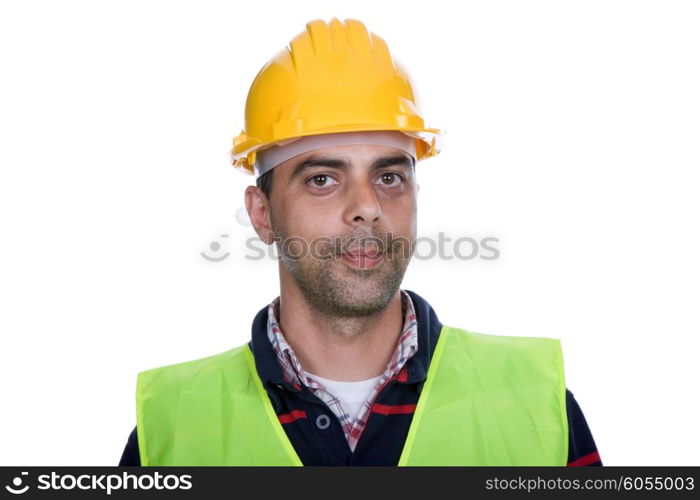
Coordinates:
<point>471,337</point>
<point>499,358</point>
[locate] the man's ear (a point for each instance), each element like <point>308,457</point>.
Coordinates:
<point>258,207</point>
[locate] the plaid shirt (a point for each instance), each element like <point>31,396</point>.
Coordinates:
<point>406,347</point>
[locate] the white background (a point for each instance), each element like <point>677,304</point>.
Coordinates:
<point>572,136</point>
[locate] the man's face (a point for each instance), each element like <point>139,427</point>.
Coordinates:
<point>344,220</point>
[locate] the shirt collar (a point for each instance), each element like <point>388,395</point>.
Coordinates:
<point>291,367</point>
<point>427,327</point>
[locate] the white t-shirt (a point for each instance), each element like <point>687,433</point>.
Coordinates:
<point>352,395</point>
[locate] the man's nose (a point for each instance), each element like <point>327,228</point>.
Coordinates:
<point>363,205</point>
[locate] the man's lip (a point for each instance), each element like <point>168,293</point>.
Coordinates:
<point>362,253</point>
<point>363,260</point>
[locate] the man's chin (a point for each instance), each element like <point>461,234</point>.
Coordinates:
<point>360,306</point>
<point>364,296</point>
<point>341,290</point>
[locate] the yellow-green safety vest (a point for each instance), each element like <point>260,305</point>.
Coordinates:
<point>487,401</point>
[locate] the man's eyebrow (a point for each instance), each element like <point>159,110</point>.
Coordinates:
<point>317,161</point>
<point>388,161</point>
<point>328,162</point>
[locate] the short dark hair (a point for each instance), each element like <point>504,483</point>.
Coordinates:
<point>264,182</point>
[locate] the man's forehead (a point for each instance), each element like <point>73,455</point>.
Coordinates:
<point>352,155</point>
<point>350,144</point>
<point>347,158</point>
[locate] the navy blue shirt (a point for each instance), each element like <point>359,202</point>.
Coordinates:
<point>305,417</point>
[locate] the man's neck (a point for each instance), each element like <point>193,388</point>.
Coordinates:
<point>340,348</point>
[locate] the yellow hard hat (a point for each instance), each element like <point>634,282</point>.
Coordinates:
<point>333,77</point>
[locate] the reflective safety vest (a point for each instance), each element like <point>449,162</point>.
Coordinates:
<point>487,400</point>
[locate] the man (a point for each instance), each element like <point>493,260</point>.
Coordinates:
<point>345,367</point>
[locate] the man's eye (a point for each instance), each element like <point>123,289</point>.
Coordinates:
<point>390,179</point>
<point>321,180</point>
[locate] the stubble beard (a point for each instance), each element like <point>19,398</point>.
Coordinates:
<point>336,290</point>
